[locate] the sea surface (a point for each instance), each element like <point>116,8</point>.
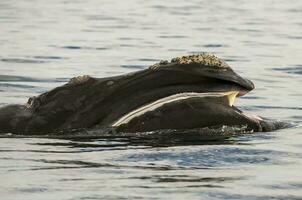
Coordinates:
<point>45,43</point>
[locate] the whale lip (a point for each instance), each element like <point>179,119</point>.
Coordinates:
<point>230,99</point>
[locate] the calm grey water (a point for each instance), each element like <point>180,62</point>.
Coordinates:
<point>44,43</point>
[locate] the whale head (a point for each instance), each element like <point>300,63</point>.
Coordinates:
<point>186,92</point>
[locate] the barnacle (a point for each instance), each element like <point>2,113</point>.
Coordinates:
<point>203,59</point>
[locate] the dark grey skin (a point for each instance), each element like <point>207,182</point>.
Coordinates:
<point>87,102</point>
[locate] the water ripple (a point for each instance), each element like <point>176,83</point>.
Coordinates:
<point>22,60</point>
<point>133,66</point>
<point>64,38</point>
<point>290,70</point>
<point>73,47</point>
<point>11,78</point>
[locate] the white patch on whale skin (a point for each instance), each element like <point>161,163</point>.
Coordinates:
<point>253,117</point>
<point>110,83</point>
<point>169,99</point>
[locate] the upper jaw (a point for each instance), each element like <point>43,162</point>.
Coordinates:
<point>230,76</point>
<point>197,72</point>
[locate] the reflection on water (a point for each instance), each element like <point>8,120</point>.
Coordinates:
<point>43,44</point>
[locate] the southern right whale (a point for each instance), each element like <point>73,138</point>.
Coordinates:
<point>187,92</point>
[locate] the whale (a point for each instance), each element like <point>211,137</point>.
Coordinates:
<point>187,92</point>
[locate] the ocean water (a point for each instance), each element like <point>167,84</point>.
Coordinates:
<point>45,43</point>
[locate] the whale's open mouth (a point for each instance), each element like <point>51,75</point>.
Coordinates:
<point>228,101</point>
